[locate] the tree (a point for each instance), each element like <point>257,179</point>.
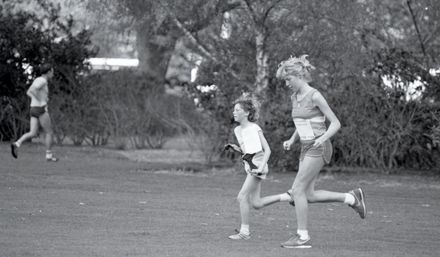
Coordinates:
<point>353,45</point>
<point>158,25</point>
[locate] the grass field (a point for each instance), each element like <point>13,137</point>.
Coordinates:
<point>97,202</point>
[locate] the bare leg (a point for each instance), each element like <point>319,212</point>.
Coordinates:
<point>357,201</point>
<point>32,132</point>
<point>261,202</point>
<point>322,196</point>
<point>304,181</point>
<point>308,170</point>
<point>47,126</point>
<point>249,185</point>
<point>304,192</point>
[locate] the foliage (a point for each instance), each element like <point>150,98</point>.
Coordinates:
<point>158,25</point>
<point>353,44</point>
<point>352,50</point>
<point>215,101</point>
<point>129,104</point>
<point>29,39</point>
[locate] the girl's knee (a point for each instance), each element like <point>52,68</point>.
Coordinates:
<point>311,197</point>
<point>242,197</point>
<point>257,205</point>
<point>32,134</point>
<point>298,190</point>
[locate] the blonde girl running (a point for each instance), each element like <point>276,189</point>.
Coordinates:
<point>310,111</point>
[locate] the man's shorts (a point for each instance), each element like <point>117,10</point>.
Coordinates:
<point>37,111</point>
<point>325,150</point>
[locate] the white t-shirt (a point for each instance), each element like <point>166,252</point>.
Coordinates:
<point>248,138</point>
<point>40,88</point>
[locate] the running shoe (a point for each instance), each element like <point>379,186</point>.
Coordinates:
<point>14,150</point>
<point>296,242</point>
<point>359,202</point>
<point>51,159</point>
<point>239,236</point>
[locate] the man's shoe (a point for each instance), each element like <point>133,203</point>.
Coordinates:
<point>14,150</point>
<point>359,202</point>
<point>296,242</point>
<point>239,236</point>
<point>51,159</point>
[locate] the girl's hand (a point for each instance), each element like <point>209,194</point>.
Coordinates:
<point>318,142</point>
<point>257,172</point>
<point>260,170</point>
<point>287,145</point>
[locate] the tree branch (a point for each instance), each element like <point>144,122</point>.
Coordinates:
<point>200,47</point>
<point>271,7</point>
<point>251,11</point>
<point>413,17</point>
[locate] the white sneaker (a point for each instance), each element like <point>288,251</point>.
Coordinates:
<point>239,236</point>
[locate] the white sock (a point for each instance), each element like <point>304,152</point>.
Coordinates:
<point>244,229</point>
<point>285,197</point>
<point>303,234</point>
<point>49,154</point>
<point>17,144</point>
<point>349,199</point>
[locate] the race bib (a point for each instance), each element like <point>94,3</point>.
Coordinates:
<point>304,128</point>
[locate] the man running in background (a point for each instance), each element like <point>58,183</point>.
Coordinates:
<point>39,94</point>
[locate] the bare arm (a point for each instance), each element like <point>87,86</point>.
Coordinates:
<point>266,149</point>
<point>288,144</point>
<point>34,88</point>
<point>335,125</point>
<point>32,94</point>
<point>294,137</point>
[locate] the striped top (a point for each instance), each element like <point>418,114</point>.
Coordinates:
<point>307,117</point>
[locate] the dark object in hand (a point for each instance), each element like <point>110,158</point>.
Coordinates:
<point>234,147</point>
<point>246,157</point>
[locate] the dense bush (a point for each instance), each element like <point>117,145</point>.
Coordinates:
<point>126,106</point>
<point>353,45</point>
<point>381,128</point>
<point>27,41</point>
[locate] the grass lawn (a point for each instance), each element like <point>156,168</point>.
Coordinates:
<point>97,202</point>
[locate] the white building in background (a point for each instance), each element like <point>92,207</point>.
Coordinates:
<point>112,63</point>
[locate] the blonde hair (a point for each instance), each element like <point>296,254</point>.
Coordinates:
<point>295,66</point>
<point>250,104</point>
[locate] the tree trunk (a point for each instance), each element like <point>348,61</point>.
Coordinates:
<point>154,51</point>
<point>262,76</point>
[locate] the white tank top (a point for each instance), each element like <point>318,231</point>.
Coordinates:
<point>248,138</point>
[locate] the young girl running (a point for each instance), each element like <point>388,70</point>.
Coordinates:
<point>309,112</point>
<point>252,144</point>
